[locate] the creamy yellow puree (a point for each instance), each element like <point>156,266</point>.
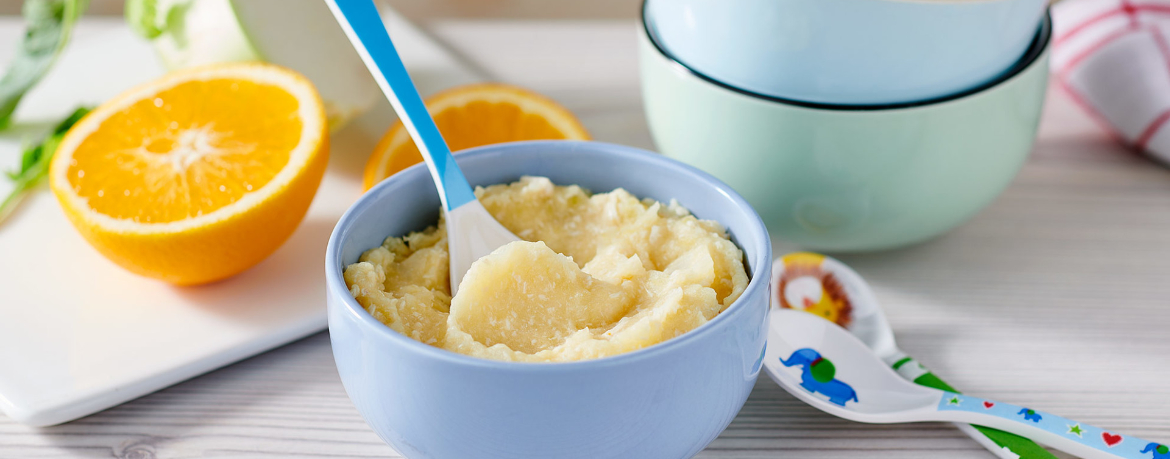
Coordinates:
<point>606,274</point>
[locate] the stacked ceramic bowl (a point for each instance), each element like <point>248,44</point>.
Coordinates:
<point>849,124</point>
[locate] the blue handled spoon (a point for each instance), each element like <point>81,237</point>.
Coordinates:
<point>472,232</point>
<point>827,367</point>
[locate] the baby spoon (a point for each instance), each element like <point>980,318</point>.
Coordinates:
<point>471,231</point>
<point>824,365</point>
<point>828,288</point>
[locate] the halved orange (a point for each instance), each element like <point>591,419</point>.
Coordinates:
<point>474,115</point>
<point>198,175</point>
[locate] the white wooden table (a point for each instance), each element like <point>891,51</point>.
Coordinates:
<point>1057,296</point>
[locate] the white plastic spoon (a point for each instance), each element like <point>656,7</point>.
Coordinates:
<point>826,287</point>
<point>825,366</point>
<point>471,231</point>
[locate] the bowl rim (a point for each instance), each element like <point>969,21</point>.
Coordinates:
<point>1037,48</point>
<point>335,283</point>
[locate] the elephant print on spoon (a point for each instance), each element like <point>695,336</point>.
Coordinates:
<point>1160,451</point>
<point>1030,415</point>
<point>817,376</point>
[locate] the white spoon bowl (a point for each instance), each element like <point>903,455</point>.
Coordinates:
<point>824,359</point>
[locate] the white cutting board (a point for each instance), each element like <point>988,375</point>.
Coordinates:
<point>78,334</point>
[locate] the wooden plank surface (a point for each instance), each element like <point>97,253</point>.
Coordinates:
<point>1057,296</point>
<point>427,10</point>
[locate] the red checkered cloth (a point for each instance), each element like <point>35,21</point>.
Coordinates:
<point>1113,59</point>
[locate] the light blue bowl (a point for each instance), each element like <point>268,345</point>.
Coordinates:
<point>666,401</point>
<point>847,51</point>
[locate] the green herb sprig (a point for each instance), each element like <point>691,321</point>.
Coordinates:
<point>34,162</point>
<point>48,25</point>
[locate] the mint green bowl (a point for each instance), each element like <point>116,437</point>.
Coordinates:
<point>856,178</point>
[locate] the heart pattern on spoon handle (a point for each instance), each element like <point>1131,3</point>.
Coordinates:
<point>1113,444</point>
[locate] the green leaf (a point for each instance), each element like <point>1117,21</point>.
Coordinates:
<point>142,17</point>
<point>34,163</point>
<point>152,18</point>
<point>48,24</point>
<point>66,124</point>
<point>177,22</point>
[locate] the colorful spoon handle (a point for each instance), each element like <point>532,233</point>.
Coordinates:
<point>363,25</point>
<point>1062,433</point>
<point>1006,444</point>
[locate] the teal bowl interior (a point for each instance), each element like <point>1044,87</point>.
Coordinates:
<point>851,178</point>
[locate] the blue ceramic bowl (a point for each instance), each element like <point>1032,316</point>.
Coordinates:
<point>665,401</point>
<point>860,52</point>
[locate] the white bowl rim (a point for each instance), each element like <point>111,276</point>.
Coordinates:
<point>335,282</point>
<point>1036,49</point>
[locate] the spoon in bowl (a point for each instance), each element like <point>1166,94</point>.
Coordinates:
<point>832,290</point>
<point>825,366</point>
<point>472,232</point>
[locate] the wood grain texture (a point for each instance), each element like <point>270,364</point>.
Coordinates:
<point>1056,296</point>
<point>427,10</point>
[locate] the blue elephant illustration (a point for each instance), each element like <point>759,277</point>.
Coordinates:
<point>1030,415</point>
<point>817,376</point>
<point>1160,451</point>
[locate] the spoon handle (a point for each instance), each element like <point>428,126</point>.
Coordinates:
<point>1073,437</point>
<point>363,25</point>
<point>1002,444</point>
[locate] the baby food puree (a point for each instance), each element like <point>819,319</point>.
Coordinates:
<point>603,274</point>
